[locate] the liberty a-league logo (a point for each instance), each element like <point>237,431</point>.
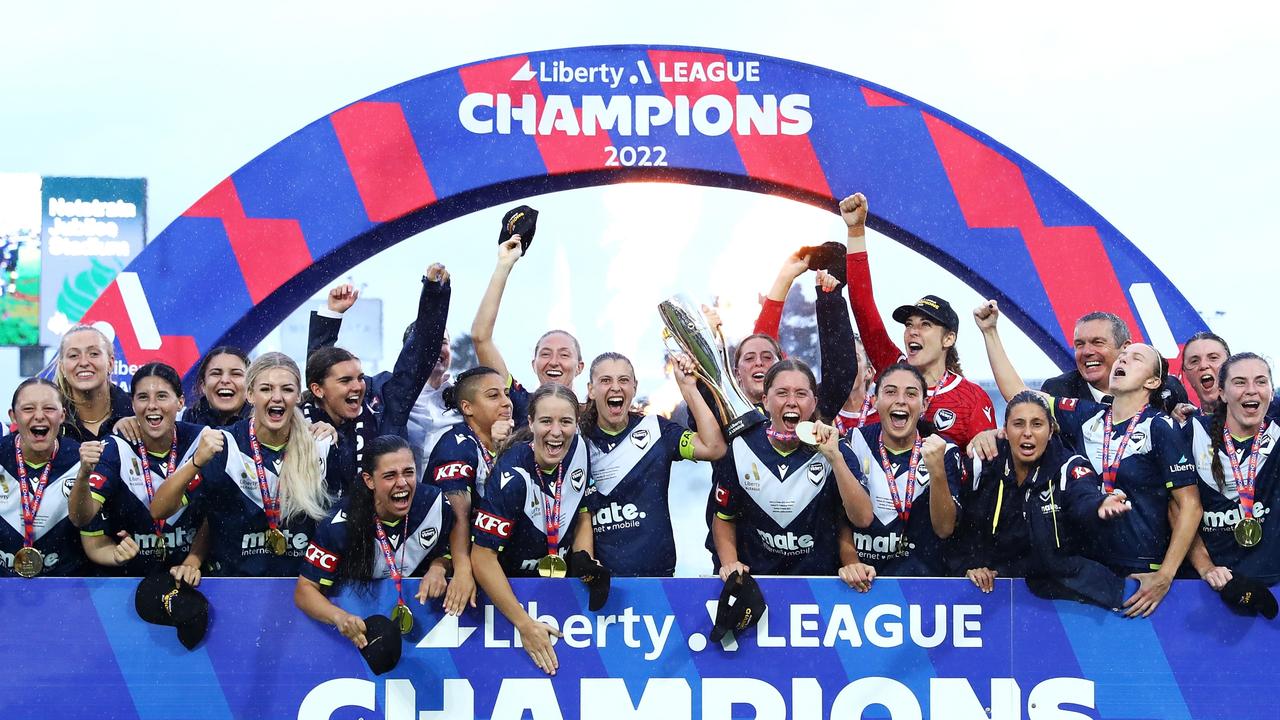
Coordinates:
<point>577,477</point>
<point>640,438</point>
<point>427,537</point>
<point>944,419</point>
<point>816,473</point>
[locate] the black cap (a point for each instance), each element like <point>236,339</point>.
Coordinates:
<point>932,307</point>
<point>741,606</point>
<point>1245,592</point>
<point>162,600</point>
<point>383,646</point>
<point>594,575</point>
<point>522,221</point>
<point>828,256</point>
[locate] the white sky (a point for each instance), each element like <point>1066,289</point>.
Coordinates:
<point>1159,115</point>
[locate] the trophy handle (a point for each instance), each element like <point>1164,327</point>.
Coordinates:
<point>698,373</point>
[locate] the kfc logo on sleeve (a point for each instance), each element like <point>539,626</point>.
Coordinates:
<point>454,471</point>
<point>321,558</point>
<point>492,524</point>
<point>722,496</point>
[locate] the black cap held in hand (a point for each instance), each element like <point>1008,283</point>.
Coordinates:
<point>522,221</point>
<point>162,600</point>
<point>383,646</point>
<point>741,606</point>
<point>1245,592</point>
<point>828,256</point>
<point>932,307</point>
<point>594,575</point>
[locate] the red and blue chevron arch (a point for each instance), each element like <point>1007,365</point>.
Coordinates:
<point>379,170</point>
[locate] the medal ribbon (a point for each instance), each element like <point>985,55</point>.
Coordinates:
<point>31,500</point>
<point>385,545</point>
<point>1111,469</point>
<point>169,467</point>
<point>946,375</point>
<point>913,462</point>
<point>1244,485</point>
<point>780,436</point>
<point>270,505</point>
<point>552,514</point>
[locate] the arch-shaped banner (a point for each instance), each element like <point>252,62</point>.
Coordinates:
<point>412,156</point>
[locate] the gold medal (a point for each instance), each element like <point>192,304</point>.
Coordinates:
<point>403,618</point>
<point>1248,532</point>
<point>275,541</point>
<point>28,562</point>
<point>552,566</point>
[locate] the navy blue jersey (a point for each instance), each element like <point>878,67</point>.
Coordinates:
<point>1222,511</point>
<point>117,483</point>
<point>1156,460</point>
<point>55,536</point>
<point>457,461</point>
<point>202,413</point>
<point>510,516</point>
<point>632,472</point>
<point>415,541</point>
<point>519,402</point>
<point>786,509</point>
<point>227,493</point>
<point>893,547</point>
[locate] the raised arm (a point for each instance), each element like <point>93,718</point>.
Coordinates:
<point>881,349</point>
<point>838,350</point>
<point>323,329</point>
<point>487,314</point>
<point>169,496</point>
<point>1007,378</point>
<point>420,352</point>
<point>82,505</point>
<point>708,440</point>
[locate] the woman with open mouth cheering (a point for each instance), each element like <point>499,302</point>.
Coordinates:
<point>631,458</point>
<point>778,498</point>
<point>83,375</point>
<point>220,391</point>
<point>37,471</point>
<point>261,483</point>
<point>387,527</point>
<point>119,478</point>
<point>1139,454</point>
<point>912,476</point>
<point>534,512</point>
<point>1239,483</point>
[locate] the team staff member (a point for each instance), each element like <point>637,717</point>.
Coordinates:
<point>462,459</point>
<point>220,394</point>
<point>83,375</point>
<point>1138,452</point>
<point>1028,508</point>
<point>1202,357</point>
<point>1239,483</point>
<point>779,500</point>
<point>118,478</point>
<point>1098,339</point>
<point>362,407</point>
<point>37,470</point>
<point>956,407</point>
<point>535,510</point>
<point>261,483</point>
<point>557,357</point>
<point>912,478</point>
<point>631,458</point>
<point>388,527</point>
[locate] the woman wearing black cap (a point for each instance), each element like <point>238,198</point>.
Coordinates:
<point>958,408</point>
<point>1139,454</point>
<point>1030,507</point>
<point>387,527</point>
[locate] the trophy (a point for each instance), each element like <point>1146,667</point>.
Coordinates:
<point>686,324</point>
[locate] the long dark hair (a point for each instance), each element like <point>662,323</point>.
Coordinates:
<point>525,434</point>
<point>356,565</point>
<point>1218,421</point>
<point>208,358</point>
<point>318,364</point>
<point>799,366</point>
<point>591,415</point>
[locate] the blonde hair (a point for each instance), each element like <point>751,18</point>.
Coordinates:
<point>302,488</point>
<point>60,380</point>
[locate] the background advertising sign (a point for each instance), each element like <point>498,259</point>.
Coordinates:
<point>19,259</point>
<point>909,649</point>
<point>92,228</point>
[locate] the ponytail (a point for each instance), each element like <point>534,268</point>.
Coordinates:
<point>1218,423</point>
<point>953,361</point>
<point>356,564</point>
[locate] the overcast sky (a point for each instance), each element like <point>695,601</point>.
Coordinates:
<point>1159,116</point>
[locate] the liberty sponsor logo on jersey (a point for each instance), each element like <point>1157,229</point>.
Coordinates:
<point>255,543</point>
<point>786,543</point>
<point>1227,520</point>
<point>321,558</point>
<point>492,524</point>
<point>621,517</point>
